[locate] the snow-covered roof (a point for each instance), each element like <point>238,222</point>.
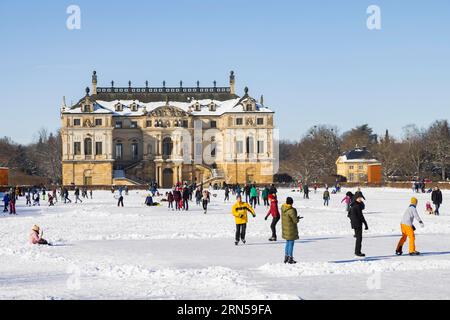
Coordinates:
<point>346,160</point>
<point>222,107</point>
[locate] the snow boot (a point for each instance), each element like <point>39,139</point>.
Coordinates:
<point>415,253</point>
<point>286,259</point>
<point>273,239</point>
<point>243,241</point>
<point>361,255</point>
<point>236,242</point>
<point>291,260</point>
<point>399,252</point>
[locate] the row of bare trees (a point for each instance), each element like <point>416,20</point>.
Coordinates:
<point>419,153</point>
<point>42,158</point>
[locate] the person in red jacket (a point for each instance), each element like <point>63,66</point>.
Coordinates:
<point>273,211</point>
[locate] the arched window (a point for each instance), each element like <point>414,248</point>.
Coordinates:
<point>88,146</point>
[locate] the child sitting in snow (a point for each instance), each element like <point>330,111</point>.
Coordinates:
<point>429,208</point>
<point>36,237</point>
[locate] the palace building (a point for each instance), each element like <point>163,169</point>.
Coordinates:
<point>137,135</point>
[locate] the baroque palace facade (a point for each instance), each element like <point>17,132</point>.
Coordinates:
<point>137,135</point>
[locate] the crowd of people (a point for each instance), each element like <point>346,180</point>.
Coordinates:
<point>248,198</point>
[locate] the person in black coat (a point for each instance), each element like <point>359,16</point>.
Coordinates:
<point>357,221</point>
<point>436,197</point>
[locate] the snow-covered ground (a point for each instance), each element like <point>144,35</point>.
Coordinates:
<point>136,252</point>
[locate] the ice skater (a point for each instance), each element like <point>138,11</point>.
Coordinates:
<point>408,229</point>
<point>275,213</point>
<point>240,212</point>
<point>357,221</point>
<point>205,200</point>
<point>436,197</point>
<point>120,202</point>
<point>326,197</point>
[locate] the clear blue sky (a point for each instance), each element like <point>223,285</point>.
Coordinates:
<point>315,61</point>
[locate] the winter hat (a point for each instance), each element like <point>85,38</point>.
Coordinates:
<point>290,201</point>
<point>414,201</point>
<point>35,228</point>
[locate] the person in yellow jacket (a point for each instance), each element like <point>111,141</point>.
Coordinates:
<point>408,229</point>
<point>240,210</point>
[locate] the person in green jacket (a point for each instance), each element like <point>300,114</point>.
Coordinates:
<point>289,222</point>
<point>253,196</point>
<point>265,196</point>
<point>326,197</point>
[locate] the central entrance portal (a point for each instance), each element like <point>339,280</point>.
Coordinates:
<point>167,178</point>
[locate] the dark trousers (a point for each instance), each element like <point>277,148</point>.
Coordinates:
<point>240,231</point>
<point>185,204</point>
<point>170,204</point>
<point>253,201</point>
<point>266,202</point>
<point>436,211</point>
<point>205,204</point>
<point>273,226</point>
<point>120,203</point>
<point>12,207</point>
<point>358,244</point>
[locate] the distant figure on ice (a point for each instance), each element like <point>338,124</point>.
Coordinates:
<point>5,202</point>
<point>357,221</point>
<point>265,196</point>
<point>36,237</point>
<point>275,213</point>
<point>289,224</point>
<point>436,197</point>
<point>66,195</point>
<point>50,200</point>
<point>185,196</point>
<point>408,229</point>
<point>90,193</point>
<point>198,196</point>
<point>205,200</point>
<point>253,196</point>
<point>120,202</point>
<point>240,212</point>
<point>77,195</point>
<point>305,191</point>
<point>347,200</point>
<point>170,200</point>
<point>126,190</point>
<point>326,197</point>
<point>429,208</point>
<point>28,198</point>
<point>227,194</point>
<point>36,200</point>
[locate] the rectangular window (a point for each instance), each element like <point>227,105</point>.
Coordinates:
<point>149,123</point>
<point>76,122</point>
<point>135,151</point>
<point>260,121</point>
<point>134,124</point>
<point>351,167</point>
<point>361,167</point>
<point>119,153</point>
<point>239,121</point>
<point>98,148</point>
<point>77,148</point>
<point>239,147</point>
<point>118,124</point>
<point>98,122</point>
<point>185,124</point>
<point>351,177</point>
<point>260,146</point>
<point>213,124</point>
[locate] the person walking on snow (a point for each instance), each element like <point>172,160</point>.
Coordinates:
<point>120,202</point>
<point>273,211</point>
<point>408,229</point>
<point>436,197</point>
<point>326,197</point>
<point>12,203</point>
<point>239,211</point>
<point>357,221</point>
<point>289,224</point>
